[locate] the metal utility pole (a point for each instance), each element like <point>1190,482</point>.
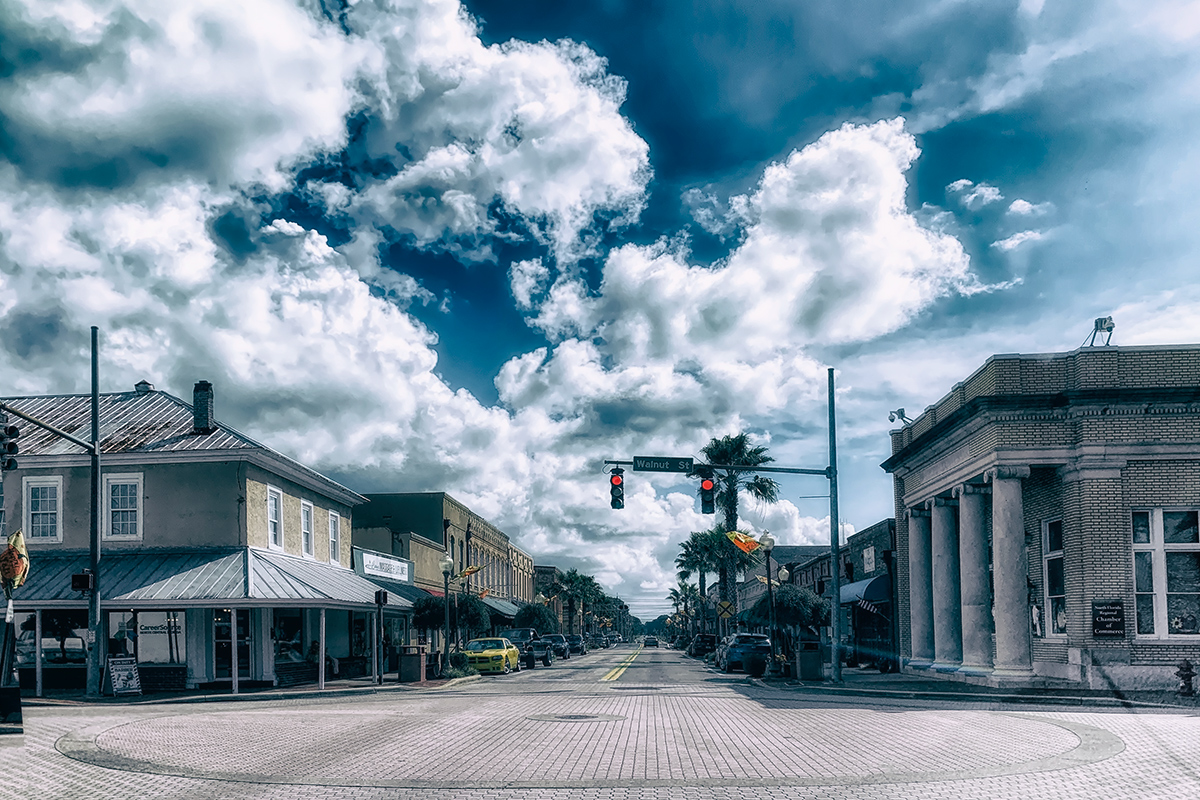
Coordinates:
<point>835,599</point>
<point>95,626</point>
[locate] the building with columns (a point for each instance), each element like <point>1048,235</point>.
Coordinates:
<point>1046,521</point>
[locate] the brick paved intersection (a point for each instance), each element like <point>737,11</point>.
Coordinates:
<point>668,731</point>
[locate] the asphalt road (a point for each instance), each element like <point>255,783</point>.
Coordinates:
<point>619,724</point>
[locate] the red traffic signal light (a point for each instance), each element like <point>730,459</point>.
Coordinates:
<point>708,498</point>
<point>707,484</point>
<point>616,488</point>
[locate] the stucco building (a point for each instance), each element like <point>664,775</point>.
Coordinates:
<point>1046,520</point>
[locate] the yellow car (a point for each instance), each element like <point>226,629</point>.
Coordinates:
<point>493,655</point>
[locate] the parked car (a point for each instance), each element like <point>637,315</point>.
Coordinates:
<point>558,642</point>
<point>735,648</point>
<point>650,641</point>
<point>493,655</point>
<point>577,644</point>
<point>598,642</point>
<point>702,645</point>
<point>533,648</point>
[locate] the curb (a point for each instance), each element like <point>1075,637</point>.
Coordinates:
<point>967,697</point>
<point>253,697</point>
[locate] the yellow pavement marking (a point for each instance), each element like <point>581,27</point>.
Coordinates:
<point>617,671</point>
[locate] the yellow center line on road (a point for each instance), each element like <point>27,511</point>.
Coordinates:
<point>620,668</point>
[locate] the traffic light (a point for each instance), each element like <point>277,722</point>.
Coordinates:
<point>708,494</point>
<point>616,487</point>
<point>8,444</point>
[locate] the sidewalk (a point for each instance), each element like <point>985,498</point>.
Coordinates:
<point>334,688</point>
<point>870,683</point>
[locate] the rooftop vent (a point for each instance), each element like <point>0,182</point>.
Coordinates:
<point>202,408</point>
<point>143,387</point>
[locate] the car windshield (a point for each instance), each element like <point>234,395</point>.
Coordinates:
<point>485,644</point>
<point>751,639</point>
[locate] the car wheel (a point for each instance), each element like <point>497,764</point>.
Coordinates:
<point>727,668</point>
<point>507,668</point>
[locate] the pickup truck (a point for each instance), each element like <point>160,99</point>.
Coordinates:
<point>532,646</point>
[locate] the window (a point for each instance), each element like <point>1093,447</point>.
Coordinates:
<point>1166,572</point>
<point>275,517</point>
<point>1055,583</point>
<point>306,527</point>
<point>122,516</point>
<point>335,529</point>
<point>43,508</point>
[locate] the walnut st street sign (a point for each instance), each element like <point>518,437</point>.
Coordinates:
<point>661,464</point>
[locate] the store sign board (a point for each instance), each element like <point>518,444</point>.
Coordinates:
<point>123,675</point>
<point>394,569</point>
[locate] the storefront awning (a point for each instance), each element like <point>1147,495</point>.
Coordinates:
<point>245,577</point>
<point>873,590</point>
<point>501,607</point>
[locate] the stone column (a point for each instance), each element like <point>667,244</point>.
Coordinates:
<point>947,599</point>
<point>1010,573</point>
<point>976,594</point>
<point>920,589</point>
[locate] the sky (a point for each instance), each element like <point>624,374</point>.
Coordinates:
<point>422,245</point>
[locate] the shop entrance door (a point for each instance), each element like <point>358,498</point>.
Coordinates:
<point>223,643</point>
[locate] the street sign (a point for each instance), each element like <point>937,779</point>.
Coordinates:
<point>725,609</point>
<point>661,464</point>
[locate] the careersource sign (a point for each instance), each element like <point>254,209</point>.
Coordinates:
<point>384,567</point>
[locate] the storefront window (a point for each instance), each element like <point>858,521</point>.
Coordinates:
<point>161,638</point>
<point>26,640</point>
<point>289,635</point>
<point>64,637</point>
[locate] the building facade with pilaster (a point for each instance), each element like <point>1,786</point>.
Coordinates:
<point>1046,521</point>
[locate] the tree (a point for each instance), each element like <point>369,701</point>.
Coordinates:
<point>699,555</point>
<point>737,451</point>
<point>536,616</point>
<point>575,587</point>
<point>794,607</point>
<point>429,613</point>
<point>473,617</point>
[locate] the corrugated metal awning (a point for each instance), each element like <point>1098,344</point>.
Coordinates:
<point>502,607</point>
<point>247,577</point>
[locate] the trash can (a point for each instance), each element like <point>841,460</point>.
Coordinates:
<point>412,663</point>
<point>809,656</point>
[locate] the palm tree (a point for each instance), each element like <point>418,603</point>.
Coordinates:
<point>737,451</point>
<point>574,586</point>
<point>698,556</point>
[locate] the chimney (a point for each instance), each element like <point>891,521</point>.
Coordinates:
<point>143,387</point>
<point>202,407</point>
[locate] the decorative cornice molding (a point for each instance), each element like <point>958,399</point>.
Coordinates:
<point>944,502</point>
<point>918,512</point>
<point>971,488</point>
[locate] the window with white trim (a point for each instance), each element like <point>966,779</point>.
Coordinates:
<point>123,507</point>
<point>306,527</point>
<point>1055,581</point>
<point>335,531</point>
<point>43,508</point>
<point>1166,572</point>
<point>275,517</point>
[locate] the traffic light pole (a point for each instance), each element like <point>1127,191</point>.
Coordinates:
<point>95,666</point>
<point>830,473</point>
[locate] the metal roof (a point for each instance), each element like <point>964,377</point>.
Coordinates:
<point>502,607</point>
<point>150,422</point>
<point>130,422</point>
<point>245,576</point>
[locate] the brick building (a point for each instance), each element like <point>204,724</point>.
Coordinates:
<point>1046,520</point>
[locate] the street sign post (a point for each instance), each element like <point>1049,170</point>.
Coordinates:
<point>661,464</point>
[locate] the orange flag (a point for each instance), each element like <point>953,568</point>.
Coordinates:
<point>744,542</point>
<point>484,593</point>
<point>469,571</point>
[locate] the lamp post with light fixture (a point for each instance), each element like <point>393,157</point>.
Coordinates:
<point>447,565</point>
<point>767,543</point>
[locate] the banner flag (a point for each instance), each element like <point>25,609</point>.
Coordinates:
<point>743,541</point>
<point>469,571</point>
<point>14,569</point>
<point>484,593</point>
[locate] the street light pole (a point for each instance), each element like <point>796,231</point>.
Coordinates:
<point>767,541</point>
<point>447,565</point>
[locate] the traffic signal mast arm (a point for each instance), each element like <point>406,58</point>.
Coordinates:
<point>825,473</point>
<point>47,426</point>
